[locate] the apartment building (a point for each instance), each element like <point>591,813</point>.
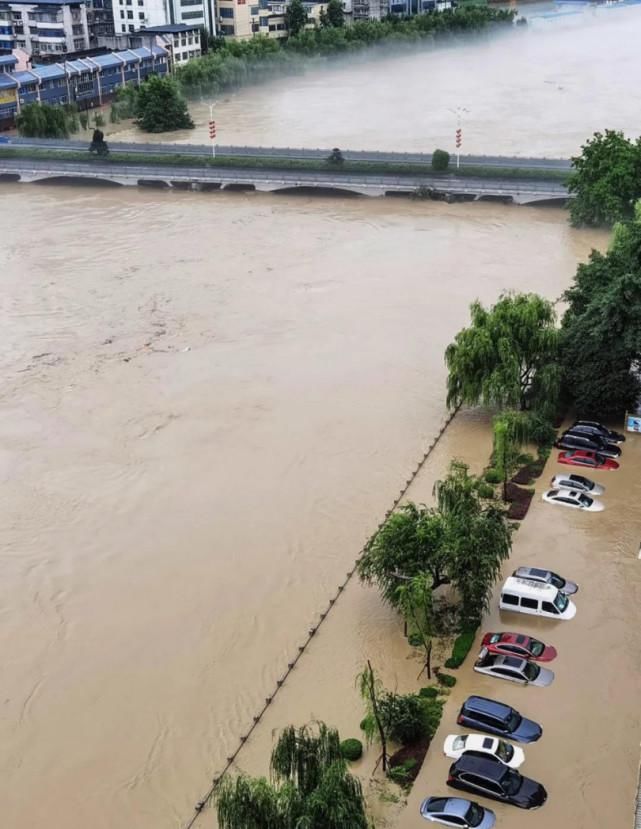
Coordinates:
<point>182,42</point>
<point>130,15</point>
<point>44,28</point>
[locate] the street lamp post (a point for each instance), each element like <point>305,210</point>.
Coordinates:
<point>459,111</point>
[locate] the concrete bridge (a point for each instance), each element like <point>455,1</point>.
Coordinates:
<point>448,187</point>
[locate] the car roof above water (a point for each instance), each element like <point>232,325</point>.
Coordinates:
<point>484,764</point>
<point>483,705</point>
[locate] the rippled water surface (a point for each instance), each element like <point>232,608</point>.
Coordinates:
<point>207,403</point>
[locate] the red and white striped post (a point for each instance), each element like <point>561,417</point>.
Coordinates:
<point>212,131</point>
<point>459,141</point>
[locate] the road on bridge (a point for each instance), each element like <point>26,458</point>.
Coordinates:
<point>294,153</point>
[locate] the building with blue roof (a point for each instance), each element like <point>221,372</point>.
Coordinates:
<point>88,82</point>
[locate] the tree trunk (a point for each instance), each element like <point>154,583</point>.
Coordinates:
<point>377,717</point>
<point>428,659</point>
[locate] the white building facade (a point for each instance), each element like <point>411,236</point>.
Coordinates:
<point>131,15</point>
<point>47,27</point>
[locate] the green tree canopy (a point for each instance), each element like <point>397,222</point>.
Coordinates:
<point>310,788</point>
<point>295,17</point>
<point>607,179</point>
<point>601,329</point>
<point>508,355</point>
<point>160,107</point>
<point>410,543</point>
<point>335,14</point>
<point>478,539</point>
<point>44,121</point>
<point>463,540</point>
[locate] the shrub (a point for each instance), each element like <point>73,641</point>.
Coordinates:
<point>486,490</point>
<point>414,639</point>
<point>430,692</point>
<point>405,715</point>
<point>440,160</point>
<point>367,724</point>
<point>446,680</point>
<point>352,749</point>
<point>432,713</point>
<point>461,648</point>
<point>402,774</point>
<point>493,476</point>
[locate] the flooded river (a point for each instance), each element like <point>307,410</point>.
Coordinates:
<point>207,403</point>
<point>540,91</point>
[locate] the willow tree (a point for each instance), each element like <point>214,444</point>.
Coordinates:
<point>507,357</point>
<point>416,605</point>
<point>409,543</point>
<point>478,538</point>
<point>310,787</point>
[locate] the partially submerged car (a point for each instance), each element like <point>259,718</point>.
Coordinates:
<point>456,744</point>
<point>487,776</point>
<point>592,427</point>
<point>513,669</point>
<point>591,443</point>
<point>579,483</point>
<point>573,499</point>
<point>457,811</point>
<point>588,459</point>
<point>518,644</point>
<point>495,717</point>
<point>544,576</point>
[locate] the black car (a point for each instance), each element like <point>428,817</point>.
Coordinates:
<point>495,717</point>
<point>488,776</point>
<point>568,440</point>
<point>591,427</point>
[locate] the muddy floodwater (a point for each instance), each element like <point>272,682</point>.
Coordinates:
<point>541,91</point>
<point>207,404</point>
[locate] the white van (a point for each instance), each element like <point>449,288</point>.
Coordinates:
<point>524,596</point>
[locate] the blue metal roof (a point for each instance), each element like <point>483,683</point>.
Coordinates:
<point>8,60</point>
<point>141,52</point>
<point>78,66</point>
<point>7,82</point>
<point>159,52</point>
<point>128,56</point>
<point>106,60</point>
<point>53,70</point>
<point>24,77</point>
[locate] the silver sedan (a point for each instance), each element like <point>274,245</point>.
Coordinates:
<point>513,669</point>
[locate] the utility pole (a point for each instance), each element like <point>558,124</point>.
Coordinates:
<point>212,130</point>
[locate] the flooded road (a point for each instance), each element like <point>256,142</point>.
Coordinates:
<point>538,91</point>
<point>588,756</point>
<point>207,403</point>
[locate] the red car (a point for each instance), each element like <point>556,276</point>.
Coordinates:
<point>517,644</point>
<point>586,458</point>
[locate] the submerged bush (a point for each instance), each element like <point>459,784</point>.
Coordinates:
<point>352,749</point>
<point>461,648</point>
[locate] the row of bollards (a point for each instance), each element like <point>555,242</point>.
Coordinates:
<point>314,629</point>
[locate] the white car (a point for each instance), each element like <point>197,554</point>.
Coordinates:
<point>509,755</point>
<point>578,483</point>
<point>572,498</point>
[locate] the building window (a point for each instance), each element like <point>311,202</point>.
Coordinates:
<point>131,28</point>
<point>130,15</point>
<point>227,30</point>
<point>226,12</point>
<point>141,15</point>
<point>122,14</point>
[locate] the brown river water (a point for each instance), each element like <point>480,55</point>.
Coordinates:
<point>208,401</point>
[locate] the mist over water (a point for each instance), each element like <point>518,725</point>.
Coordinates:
<point>541,90</point>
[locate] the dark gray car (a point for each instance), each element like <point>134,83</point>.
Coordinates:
<point>591,443</point>
<point>457,811</point>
